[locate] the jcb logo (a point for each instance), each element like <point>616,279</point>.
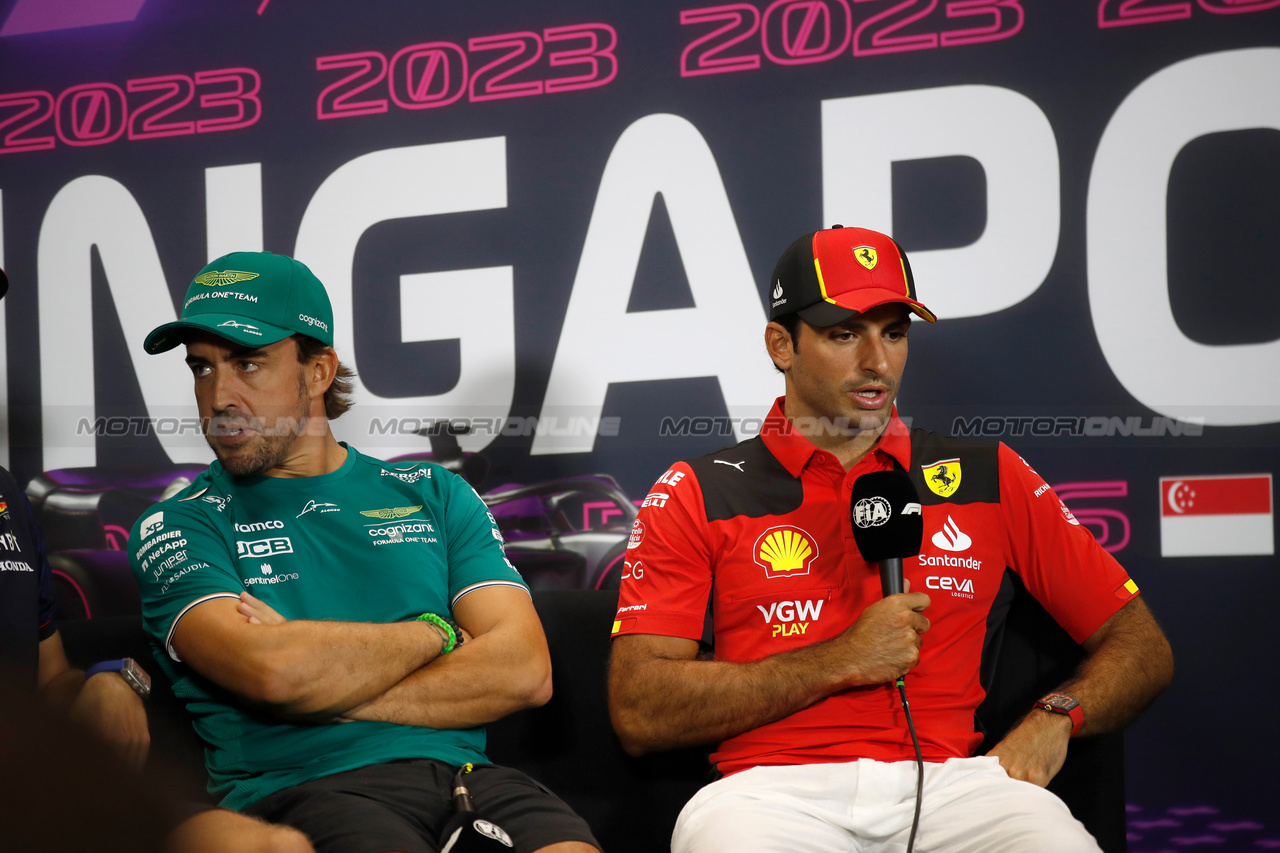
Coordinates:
<point>264,547</point>
<point>789,615</point>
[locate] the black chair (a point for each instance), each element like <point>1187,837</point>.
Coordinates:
<point>632,803</point>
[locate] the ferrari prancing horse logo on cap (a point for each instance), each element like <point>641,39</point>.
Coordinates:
<point>216,278</point>
<point>866,256</point>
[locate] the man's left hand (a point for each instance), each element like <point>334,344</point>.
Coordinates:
<point>258,612</point>
<point>1034,750</point>
<point>109,707</point>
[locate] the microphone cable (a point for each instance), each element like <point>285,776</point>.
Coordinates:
<point>915,741</point>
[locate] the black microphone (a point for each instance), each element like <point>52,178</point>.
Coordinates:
<point>887,523</point>
<point>467,831</point>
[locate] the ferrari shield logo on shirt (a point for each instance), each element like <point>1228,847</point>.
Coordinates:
<point>942,477</point>
<point>785,552</point>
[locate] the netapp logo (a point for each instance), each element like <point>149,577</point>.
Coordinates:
<point>259,526</point>
<point>264,547</point>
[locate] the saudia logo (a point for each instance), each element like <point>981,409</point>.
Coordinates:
<point>221,278</point>
<point>785,552</point>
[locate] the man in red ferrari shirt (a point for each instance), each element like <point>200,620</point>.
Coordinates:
<point>792,679</point>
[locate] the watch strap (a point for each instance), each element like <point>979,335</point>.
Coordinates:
<point>135,676</point>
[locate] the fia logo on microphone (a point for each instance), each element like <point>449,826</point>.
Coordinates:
<point>871,512</point>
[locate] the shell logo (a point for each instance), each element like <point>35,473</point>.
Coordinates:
<point>785,552</point>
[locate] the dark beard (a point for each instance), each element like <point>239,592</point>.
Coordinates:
<point>272,446</point>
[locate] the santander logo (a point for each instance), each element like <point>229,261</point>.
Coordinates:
<point>951,537</point>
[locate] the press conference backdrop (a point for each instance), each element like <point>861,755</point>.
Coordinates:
<point>553,224</point>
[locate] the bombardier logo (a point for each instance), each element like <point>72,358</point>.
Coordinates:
<point>951,537</point>
<point>789,615</point>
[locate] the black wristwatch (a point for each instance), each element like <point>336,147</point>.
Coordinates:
<point>134,675</point>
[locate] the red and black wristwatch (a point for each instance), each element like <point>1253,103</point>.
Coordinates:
<point>1065,704</point>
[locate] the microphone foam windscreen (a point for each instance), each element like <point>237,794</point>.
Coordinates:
<point>886,516</point>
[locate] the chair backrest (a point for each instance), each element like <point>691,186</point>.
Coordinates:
<point>569,745</point>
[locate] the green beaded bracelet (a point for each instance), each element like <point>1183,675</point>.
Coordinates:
<point>449,637</point>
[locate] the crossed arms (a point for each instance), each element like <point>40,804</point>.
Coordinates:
<point>362,671</point>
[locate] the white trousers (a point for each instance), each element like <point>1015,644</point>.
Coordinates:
<point>970,805</point>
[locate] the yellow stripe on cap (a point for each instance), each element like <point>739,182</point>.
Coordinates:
<point>905,284</point>
<point>822,285</point>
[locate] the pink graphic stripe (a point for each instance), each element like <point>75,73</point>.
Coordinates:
<point>45,16</point>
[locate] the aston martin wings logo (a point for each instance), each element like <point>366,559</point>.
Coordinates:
<point>391,512</point>
<point>221,278</point>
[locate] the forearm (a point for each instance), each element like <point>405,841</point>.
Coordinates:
<point>302,669</point>
<point>61,690</point>
<point>1123,673</point>
<point>664,703</point>
<point>484,679</point>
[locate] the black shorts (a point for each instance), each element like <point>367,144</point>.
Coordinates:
<point>402,806</point>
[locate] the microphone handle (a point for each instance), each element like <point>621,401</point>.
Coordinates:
<point>891,576</point>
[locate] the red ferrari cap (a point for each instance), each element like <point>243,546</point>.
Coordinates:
<point>828,276</point>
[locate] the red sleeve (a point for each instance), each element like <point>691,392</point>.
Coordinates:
<point>667,577</point>
<point>1063,566</point>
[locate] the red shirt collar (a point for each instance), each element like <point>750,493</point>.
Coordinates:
<point>794,451</point>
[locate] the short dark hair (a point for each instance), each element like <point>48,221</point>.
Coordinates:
<point>791,322</point>
<point>337,398</point>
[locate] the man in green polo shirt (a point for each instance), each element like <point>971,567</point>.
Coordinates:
<point>340,628</point>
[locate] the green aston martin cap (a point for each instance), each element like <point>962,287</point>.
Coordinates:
<point>253,299</point>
